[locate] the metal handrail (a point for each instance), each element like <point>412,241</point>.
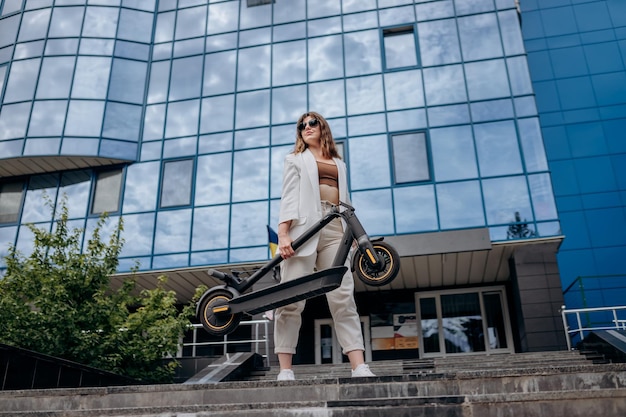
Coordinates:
<point>257,339</point>
<point>618,324</point>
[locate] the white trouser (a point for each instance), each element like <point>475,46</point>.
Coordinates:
<point>340,301</point>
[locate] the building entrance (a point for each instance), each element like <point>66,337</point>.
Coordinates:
<point>465,321</point>
<point>327,348</point>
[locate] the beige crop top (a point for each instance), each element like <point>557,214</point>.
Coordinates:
<point>329,181</point>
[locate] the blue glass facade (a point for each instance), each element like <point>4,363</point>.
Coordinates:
<point>197,101</point>
<point>577,59</point>
<point>458,120</point>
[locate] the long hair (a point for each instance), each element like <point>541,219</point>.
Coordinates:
<point>329,150</point>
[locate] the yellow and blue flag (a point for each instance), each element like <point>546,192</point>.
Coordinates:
<point>272,238</point>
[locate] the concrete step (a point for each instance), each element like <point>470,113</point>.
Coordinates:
<point>529,389</point>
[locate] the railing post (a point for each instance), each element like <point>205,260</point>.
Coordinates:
<point>566,327</point>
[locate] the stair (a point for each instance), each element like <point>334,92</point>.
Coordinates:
<point>526,384</point>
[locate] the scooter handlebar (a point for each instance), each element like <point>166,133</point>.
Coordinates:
<point>217,274</point>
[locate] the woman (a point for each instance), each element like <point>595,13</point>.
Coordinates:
<point>314,178</point>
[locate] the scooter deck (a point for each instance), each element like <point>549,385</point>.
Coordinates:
<point>289,292</point>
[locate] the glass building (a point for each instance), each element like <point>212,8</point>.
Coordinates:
<point>457,134</point>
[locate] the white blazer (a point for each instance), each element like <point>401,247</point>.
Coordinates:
<point>300,200</point>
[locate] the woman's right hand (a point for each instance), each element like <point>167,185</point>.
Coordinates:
<point>284,247</point>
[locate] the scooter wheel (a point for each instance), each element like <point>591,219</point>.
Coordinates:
<point>217,324</point>
<point>377,275</point>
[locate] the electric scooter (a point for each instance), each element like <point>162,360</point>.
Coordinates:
<point>376,263</point>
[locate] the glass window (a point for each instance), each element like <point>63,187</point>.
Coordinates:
<point>325,58</point>
<point>219,73</point>
<point>375,211</point>
<point>251,175</point>
<point>410,157</point>
<point>66,22</point>
<point>56,77</point>
<point>90,46</point>
<point>323,26</point>
<point>542,196</point>
<point>480,37</point>
<point>8,30</point>
<point>358,21</point>
<point>399,47</point>
<point>173,234</point>
<point>210,228</point>
<point>135,26</point>
<point>498,149</point>
<point>76,185</point>
<point>444,85</point>
<point>287,103</point>
<point>186,78</point>
<point>486,80</point>
<point>106,195</point>
<point>369,162</point>
<point>48,118</point>
<point>84,118</point>
<point>462,323</point>
<point>141,187</point>
<point>519,76</point>
<point>35,207</point>
<point>217,114</point>
<point>511,32</point>
<point>453,153</point>
<point>322,8</point>
<point>213,179</point>
<point>128,79</point>
<point>295,54</point>
<point>329,96</point>
<point>253,68</point>
<point>154,121</point>
<point>13,120</point>
<point>395,15</point>
<point>159,81</point>
<point>138,234</point>
<point>434,10</point>
<point>92,77</point>
<point>11,6</point>
<point>10,201</point>
<point>61,47</point>
<point>165,27</point>
<point>506,199</point>
<point>176,184</point>
<point>365,94</point>
<point>367,124</point>
<point>288,11</point>
<point>439,42</point>
<point>34,25</point>
<point>252,109</point>
<point>460,205</point>
<point>473,6</point>
<point>251,17</point>
<point>415,209</point>
<point>191,23</point>
<point>396,86</point>
<point>122,121</point>
<point>484,111</point>
<point>101,22</point>
<point>22,80</point>
<point>254,37</point>
<point>248,225</point>
<point>223,17</point>
<point>532,145</point>
<point>182,118</point>
<point>358,50</point>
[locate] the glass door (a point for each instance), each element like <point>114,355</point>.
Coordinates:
<point>463,322</point>
<point>327,349</point>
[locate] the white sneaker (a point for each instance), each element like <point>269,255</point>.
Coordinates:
<point>362,370</point>
<point>285,375</point>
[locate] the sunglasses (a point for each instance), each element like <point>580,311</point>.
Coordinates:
<point>311,123</point>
